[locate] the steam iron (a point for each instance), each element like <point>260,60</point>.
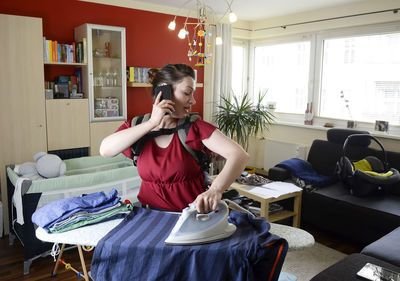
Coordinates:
<point>193,228</point>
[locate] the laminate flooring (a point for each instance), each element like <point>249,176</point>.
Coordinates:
<point>12,259</point>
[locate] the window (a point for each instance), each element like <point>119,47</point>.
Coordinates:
<point>239,68</point>
<point>282,70</point>
<point>365,71</point>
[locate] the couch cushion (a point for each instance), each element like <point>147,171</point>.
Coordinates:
<point>340,135</point>
<point>386,203</point>
<point>387,248</point>
<point>323,156</point>
<point>363,220</point>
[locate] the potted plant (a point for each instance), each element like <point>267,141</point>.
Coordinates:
<point>239,119</point>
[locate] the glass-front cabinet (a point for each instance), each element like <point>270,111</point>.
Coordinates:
<point>104,77</point>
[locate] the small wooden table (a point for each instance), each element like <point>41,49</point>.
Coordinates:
<point>266,200</point>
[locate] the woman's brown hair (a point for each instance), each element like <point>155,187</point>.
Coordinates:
<point>170,74</point>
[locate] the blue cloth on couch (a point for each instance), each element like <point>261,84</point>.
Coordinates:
<point>303,170</point>
<point>135,250</point>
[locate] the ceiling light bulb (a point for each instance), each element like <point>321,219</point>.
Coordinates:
<point>182,33</point>
<point>218,41</point>
<point>232,17</point>
<point>172,25</point>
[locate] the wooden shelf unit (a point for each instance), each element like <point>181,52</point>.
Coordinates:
<point>65,63</point>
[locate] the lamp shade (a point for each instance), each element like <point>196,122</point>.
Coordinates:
<point>172,25</point>
<point>182,33</point>
<point>232,17</point>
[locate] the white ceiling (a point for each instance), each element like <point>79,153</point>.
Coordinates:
<point>251,10</point>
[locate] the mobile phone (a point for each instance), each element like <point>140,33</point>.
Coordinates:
<point>165,90</point>
<point>378,273</point>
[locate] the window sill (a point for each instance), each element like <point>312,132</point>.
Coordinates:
<point>296,120</point>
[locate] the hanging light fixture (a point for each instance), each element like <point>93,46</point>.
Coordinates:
<point>172,24</point>
<point>198,48</point>
<point>182,33</point>
<point>218,40</point>
<point>232,17</point>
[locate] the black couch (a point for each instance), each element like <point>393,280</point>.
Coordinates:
<point>333,208</point>
<point>384,252</point>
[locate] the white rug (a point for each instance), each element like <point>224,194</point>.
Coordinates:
<point>307,263</point>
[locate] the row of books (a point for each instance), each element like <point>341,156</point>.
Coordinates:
<point>137,74</point>
<point>69,53</point>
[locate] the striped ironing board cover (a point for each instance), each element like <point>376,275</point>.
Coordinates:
<point>135,250</point>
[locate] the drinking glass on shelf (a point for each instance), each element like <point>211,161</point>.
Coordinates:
<point>96,80</point>
<point>115,78</point>
<point>100,79</point>
<point>108,79</point>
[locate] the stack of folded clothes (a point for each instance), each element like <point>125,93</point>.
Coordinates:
<point>71,213</point>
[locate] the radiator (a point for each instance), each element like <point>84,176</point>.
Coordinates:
<point>278,151</point>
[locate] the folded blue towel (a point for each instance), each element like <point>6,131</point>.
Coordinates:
<point>59,210</point>
<point>303,170</point>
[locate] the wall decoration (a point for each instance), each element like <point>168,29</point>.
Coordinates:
<point>381,126</point>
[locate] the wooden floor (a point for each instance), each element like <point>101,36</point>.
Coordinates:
<point>332,241</point>
<point>11,258</point>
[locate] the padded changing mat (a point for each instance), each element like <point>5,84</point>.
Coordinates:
<point>86,175</point>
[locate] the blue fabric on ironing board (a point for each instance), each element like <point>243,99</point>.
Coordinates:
<point>135,250</point>
<point>304,171</point>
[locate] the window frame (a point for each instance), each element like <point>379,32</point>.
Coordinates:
<point>283,40</point>
<point>365,30</point>
<point>245,76</point>
<point>316,39</point>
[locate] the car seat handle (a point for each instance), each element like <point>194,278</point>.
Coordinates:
<point>355,136</point>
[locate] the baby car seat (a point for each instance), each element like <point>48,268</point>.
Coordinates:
<point>368,175</point>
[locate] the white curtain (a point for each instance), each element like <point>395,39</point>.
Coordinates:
<point>218,74</point>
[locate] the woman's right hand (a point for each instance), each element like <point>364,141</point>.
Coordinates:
<point>160,108</point>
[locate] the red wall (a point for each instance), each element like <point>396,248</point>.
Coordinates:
<point>149,43</point>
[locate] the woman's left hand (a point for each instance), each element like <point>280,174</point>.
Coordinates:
<point>208,200</point>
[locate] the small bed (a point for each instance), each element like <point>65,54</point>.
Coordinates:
<point>83,175</point>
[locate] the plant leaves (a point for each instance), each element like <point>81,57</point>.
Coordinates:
<point>239,119</point>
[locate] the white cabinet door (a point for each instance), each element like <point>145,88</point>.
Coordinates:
<point>104,78</point>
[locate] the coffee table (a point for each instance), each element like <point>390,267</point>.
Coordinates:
<point>265,200</point>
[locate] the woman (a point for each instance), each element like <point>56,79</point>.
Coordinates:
<point>171,178</point>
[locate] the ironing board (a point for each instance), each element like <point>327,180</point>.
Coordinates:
<point>84,236</point>
<point>297,238</point>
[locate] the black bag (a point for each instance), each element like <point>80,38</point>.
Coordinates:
<point>359,182</point>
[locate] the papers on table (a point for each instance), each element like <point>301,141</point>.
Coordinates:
<point>273,189</point>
